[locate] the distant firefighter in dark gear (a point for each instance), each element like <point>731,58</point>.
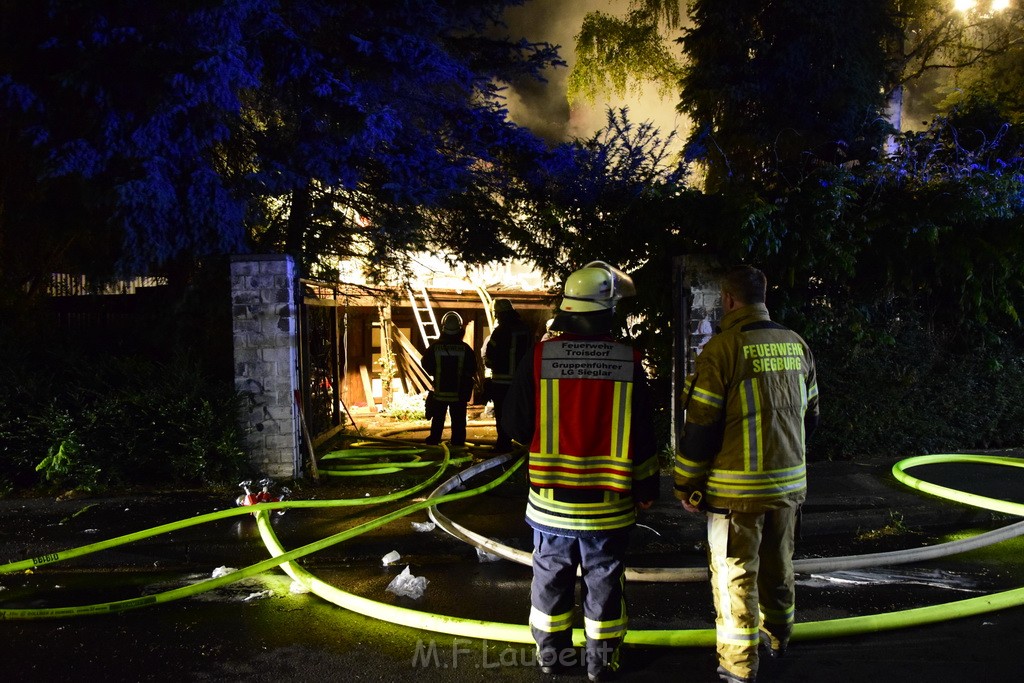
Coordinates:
<point>750,404</point>
<point>509,344</point>
<point>451,363</point>
<point>583,406</point>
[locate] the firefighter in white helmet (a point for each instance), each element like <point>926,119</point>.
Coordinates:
<point>583,406</point>
<point>595,287</point>
<point>451,363</point>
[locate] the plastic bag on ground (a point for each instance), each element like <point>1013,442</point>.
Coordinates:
<point>259,595</point>
<point>390,558</point>
<point>407,585</point>
<point>423,526</point>
<point>484,556</point>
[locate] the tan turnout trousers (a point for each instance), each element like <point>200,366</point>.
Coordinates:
<point>751,560</point>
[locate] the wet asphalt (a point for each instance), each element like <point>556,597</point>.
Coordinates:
<point>260,629</point>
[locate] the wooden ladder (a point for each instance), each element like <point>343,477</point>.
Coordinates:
<point>424,314</point>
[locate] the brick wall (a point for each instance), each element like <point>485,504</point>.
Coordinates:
<point>705,310</point>
<point>264,319</point>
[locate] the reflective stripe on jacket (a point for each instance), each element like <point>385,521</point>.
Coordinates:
<point>452,364</point>
<point>505,349</point>
<point>582,467</point>
<point>753,384</point>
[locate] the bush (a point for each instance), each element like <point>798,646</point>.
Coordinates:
<point>407,406</point>
<point>73,421</point>
<point>897,388</point>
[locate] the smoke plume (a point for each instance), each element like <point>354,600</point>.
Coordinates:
<point>543,107</point>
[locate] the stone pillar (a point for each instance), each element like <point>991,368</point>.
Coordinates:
<point>698,309</point>
<point>705,309</point>
<point>264,315</point>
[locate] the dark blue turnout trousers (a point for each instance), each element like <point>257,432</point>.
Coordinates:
<point>603,562</point>
<point>458,413</point>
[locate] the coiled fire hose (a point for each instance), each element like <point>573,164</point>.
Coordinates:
<point>520,632</point>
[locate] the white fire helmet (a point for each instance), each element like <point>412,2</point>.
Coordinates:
<point>595,287</point>
<point>451,323</point>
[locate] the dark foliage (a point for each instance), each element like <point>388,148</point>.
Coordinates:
<point>137,136</point>
<point>81,421</point>
<point>121,390</point>
<point>775,89</point>
<point>893,386</point>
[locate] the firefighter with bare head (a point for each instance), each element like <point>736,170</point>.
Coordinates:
<point>750,404</point>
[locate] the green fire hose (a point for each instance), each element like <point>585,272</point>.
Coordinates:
<point>520,632</point>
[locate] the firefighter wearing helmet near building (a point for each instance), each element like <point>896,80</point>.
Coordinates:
<point>583,406</point>
<point>451,363</point>
<point>504,351</point>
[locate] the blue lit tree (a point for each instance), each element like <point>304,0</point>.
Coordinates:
<point>113,115</point>
<point>414,151</point>
<point>620,196</point>
<point>135,136</point>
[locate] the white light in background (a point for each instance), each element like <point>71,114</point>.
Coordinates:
<point>1000,5</point>
<point>964,5</point>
